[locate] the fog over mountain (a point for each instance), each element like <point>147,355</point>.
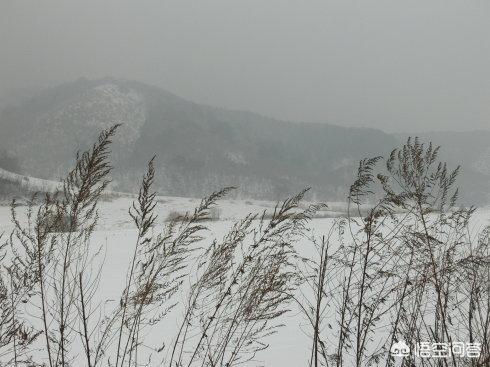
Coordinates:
<point>367,74</point>
<point>394,65</point>
<point>200,148</point>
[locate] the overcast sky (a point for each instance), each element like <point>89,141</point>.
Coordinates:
<point>391,64</point>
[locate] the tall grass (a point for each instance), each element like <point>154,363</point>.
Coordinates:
<point>241,284</point>
<point>401,265</point>
<point>407,270</point>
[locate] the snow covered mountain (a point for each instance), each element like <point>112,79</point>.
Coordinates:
<point>199,148</point>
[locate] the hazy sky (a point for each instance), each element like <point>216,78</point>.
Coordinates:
<point>392,64</point>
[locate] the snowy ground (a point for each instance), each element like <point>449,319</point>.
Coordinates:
<point>116,234</point>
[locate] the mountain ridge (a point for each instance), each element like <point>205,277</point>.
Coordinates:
<point>200,148</point>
